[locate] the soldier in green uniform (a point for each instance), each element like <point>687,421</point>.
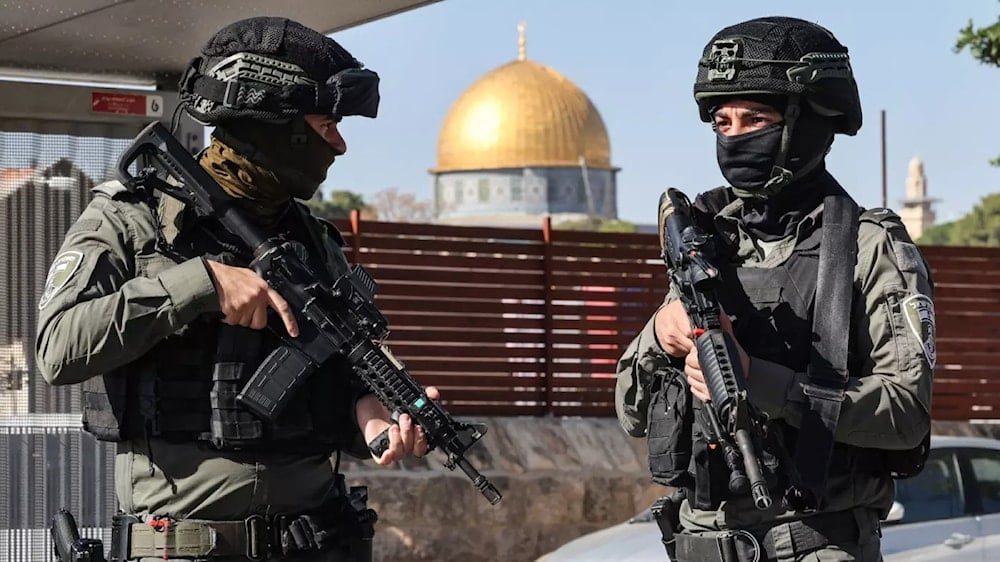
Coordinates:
<point>776,90</point>
<point>153,310</point>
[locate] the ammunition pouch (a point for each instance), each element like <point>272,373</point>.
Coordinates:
<point>669,434</point>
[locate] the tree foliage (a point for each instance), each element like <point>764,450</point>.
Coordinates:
<point>981,227</point>
<point>596,224</point>
<point>983,42</point>
<point>337,205</point>
<point>984,45</point>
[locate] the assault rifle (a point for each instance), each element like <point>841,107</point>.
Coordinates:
<point>341,319</point>
<point>729,415</point>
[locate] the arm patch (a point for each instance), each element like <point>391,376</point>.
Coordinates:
<point>62,270</point>
<point>919,313</point>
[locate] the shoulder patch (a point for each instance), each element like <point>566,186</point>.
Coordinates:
<point>84,225</point>
<point>62,270</point>
<point>919,313</point>
<point>908,256</point>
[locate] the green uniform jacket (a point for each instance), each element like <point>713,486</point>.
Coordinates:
<point>111,297</point>
<point>887,403</point>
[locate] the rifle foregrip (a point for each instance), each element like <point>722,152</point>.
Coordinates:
<point>716,355</point>
<point>380,444</point>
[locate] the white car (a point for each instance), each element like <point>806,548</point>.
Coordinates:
<point>950,511</point>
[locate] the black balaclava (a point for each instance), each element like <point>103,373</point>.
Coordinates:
<point>778,217</point>
<point>748,161</point>
<point>297,155</point>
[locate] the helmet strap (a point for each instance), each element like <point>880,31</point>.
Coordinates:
<point>780,175</point>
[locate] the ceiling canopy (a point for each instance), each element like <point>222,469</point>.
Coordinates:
<point>148,41</point>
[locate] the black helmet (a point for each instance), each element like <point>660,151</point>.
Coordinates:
<point>273,69</point>
<point>784,56</point>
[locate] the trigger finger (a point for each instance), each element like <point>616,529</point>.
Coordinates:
<point>280,305</point>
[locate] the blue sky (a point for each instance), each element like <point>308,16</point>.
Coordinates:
<point>636,59</point>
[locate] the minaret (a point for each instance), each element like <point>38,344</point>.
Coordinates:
<point>917,213</point>
<point>522,42</point>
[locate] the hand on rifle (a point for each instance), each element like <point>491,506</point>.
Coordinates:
<point>692,368</point>
<point>244,298</point>
<point>405,438</point>
<point>673,331</point>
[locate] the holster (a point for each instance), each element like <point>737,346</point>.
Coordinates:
<point>666,513</point>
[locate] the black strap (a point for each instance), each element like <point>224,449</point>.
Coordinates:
<point>827,371</point>
<point>240,94</point>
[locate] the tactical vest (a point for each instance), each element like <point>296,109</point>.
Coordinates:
<point>184,388</point>
<point>772,312</point>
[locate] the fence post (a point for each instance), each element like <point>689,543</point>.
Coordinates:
<point>356,232</point>
<point>547,318</point>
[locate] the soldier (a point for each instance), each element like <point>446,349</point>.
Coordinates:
<point>151,307</point>
<point>776,90</point>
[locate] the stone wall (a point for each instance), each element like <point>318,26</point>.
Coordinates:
<point>560,478</point>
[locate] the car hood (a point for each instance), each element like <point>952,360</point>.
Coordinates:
<point>639,540</point>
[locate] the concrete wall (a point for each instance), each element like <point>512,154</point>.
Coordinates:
<point>560,478</point>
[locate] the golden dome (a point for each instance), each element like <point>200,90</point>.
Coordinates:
<point>523,114</point>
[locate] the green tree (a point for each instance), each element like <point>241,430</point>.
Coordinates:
<point>980,227</point>
<point>937,235</point>
<point>984,45</point>
<point>337,205</point>
<point>596,224</point>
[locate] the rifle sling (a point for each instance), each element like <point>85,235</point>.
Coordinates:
<point>827,372</point>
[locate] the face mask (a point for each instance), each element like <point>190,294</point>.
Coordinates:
<point>295,153</point>
<point>301,166</point>
<point>747,160</point>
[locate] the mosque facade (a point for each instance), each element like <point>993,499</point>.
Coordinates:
<point>521,143</point>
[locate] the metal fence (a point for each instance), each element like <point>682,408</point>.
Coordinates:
<point>46,461</point>
<point>47,464</point>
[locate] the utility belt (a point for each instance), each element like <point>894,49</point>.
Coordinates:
<point>343,527</point>
<point>779,539</point>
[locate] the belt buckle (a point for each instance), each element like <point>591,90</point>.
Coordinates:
<point>256,527</point>
<point>751,539</point>
<point>279,522</point>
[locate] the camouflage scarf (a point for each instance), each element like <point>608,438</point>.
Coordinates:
<point>256,189</point>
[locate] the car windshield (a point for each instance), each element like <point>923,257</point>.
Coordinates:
<point>933,494</point>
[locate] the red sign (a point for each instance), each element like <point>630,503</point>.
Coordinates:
<point>126,104</point>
